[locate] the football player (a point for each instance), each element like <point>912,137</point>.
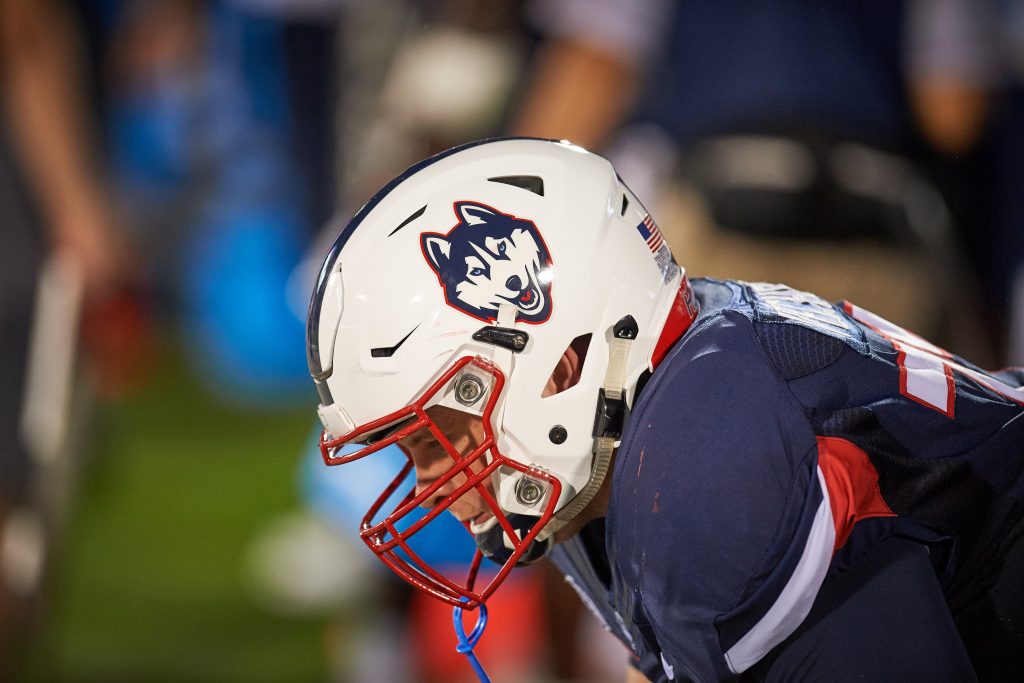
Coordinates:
<point>740,479</point>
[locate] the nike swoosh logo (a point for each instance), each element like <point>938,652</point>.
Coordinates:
<point>388,351</point>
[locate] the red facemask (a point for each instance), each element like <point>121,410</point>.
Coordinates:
<point>472,470</point>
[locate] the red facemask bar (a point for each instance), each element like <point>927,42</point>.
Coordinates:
<point>474,468</point>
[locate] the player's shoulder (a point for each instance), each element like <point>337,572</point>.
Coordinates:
<point>723,330</point>
<point>717,455</point>
<point>795,332</point>
<point>731,368</point>
<point>715,478</point>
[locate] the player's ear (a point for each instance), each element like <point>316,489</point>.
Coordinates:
<point>566,373</point>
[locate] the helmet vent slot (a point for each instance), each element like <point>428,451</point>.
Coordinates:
<point>532,183</point>
<point>388,351</point>
<point>410,219</point>
<point>566,373</point>
<point>625,204</point>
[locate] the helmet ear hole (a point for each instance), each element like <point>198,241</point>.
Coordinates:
<point>569,368</point>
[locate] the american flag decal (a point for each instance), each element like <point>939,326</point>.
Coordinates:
<point>656,243</point>
<point>651,233</point>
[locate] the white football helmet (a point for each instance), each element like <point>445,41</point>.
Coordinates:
<point>462,283</point>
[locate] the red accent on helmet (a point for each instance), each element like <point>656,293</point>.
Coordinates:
<point>681,315</point>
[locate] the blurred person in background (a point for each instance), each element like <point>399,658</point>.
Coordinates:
<point>196,164</point>
<point>212,110</point>
<point>63,257</point>
<point>826,135</point>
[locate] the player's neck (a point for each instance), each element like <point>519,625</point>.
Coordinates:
<point>598,507</point>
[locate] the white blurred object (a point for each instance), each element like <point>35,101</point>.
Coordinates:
<point>452,82</point>
<point>22,552</point>
<point>371,656</point>
<point>49,383</point>
<point>301,566</point>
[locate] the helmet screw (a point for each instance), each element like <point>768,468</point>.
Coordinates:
<point>558,434</point>
<point>468,389</point>
<point>528,491</point>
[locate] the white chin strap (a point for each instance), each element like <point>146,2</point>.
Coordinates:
<point>604,446</point>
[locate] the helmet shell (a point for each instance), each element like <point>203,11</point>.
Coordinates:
<point>542,228</point>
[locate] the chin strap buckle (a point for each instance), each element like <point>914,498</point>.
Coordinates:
<point>610,416</point>
<point>609,421</point>
<point>612,410</point>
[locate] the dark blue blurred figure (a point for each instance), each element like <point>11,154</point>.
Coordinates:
<point>252,221</point>
<point>217,114</point>
<point>808,75</point>
<point>800,122</point>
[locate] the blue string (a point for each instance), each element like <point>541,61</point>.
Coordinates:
<point>466,644</point>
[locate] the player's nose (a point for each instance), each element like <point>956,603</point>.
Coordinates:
<point>429,467</point>
<point>423,481</point>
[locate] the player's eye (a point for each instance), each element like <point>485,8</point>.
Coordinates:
<point>385,432</point>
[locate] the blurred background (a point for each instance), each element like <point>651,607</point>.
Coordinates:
<point>173,171</point>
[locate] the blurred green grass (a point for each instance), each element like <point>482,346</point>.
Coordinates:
<point>148,584</point>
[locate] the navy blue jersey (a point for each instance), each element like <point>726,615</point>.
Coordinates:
<point>781,436</point>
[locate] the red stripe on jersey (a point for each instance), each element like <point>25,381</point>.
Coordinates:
<point>852,483</point>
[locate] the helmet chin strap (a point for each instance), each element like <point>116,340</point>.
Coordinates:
<point>610,415</point>
<point>612,408</point>
<point>608,423</point>
<point>609,419</point>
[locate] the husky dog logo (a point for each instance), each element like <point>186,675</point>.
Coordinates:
<point>490,258</point>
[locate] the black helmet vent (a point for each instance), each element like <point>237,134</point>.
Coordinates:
<point>532,183</point>
<point>410,219</point>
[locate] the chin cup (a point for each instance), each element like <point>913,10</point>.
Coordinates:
<point>493,545</point>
